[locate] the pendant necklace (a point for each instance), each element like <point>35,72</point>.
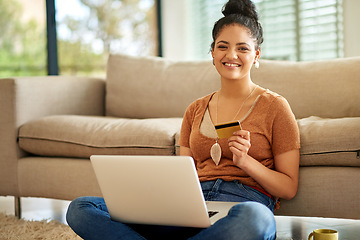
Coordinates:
<point>215,151</point>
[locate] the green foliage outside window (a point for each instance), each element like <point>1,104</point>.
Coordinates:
<point>22,44</point>
<point>111,26</point>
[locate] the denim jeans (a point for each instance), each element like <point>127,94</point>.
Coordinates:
<point>253,218</point>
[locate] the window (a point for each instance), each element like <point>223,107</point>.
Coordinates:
<point>204,14</point>
<point>301,29</point>
<point>279,21</point>
<point>23,38</point>
<point>297,30</point>
<point>88,31</point>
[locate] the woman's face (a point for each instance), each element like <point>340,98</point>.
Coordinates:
<point>234,52</point>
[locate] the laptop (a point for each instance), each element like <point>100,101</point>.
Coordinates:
<point>155,190</point>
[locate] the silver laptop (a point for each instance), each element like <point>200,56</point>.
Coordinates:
<point>158,190</point>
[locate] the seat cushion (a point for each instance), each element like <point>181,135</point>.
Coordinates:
<point>332,142</point>
<point>82,136</point>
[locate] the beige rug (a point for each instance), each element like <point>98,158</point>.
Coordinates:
<point>13,228</point>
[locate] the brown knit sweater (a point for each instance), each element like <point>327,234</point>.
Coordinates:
<point>273,130</point>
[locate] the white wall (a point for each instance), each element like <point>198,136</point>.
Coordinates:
<point>351,10</point>
<point>177,37</point>
<point>175,29</point>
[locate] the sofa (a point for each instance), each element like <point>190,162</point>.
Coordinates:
<point>50,125</point>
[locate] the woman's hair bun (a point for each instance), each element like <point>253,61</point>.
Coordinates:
<point>242,12</point>
<point>242,7</point>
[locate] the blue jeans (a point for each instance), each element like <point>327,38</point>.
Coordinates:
<point>253,218</point>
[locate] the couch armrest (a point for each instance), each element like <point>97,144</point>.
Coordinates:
<point>27,98</point>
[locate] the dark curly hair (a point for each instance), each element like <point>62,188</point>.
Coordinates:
<point>242,12</point>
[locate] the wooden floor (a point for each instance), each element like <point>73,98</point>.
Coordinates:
<point>296,228</point>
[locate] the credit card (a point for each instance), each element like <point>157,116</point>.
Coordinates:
<point>226,130</point>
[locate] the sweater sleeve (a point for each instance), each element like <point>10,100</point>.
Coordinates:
<point>285,131</point>
<point>186,126</point>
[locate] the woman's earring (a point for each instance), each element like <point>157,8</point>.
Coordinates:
<point>256,64</point>
<point>213,62</point>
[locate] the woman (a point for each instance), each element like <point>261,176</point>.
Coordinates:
<point>255,166</point>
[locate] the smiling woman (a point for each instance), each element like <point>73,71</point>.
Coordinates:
<point>264,154</point>
<point>234,52</point>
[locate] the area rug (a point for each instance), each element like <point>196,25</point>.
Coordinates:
<point>19,229</point>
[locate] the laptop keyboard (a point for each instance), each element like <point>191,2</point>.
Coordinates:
<point>212,213</point>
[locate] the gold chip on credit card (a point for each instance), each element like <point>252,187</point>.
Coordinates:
<point>226,130</point>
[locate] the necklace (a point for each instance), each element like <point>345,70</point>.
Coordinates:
<point>215,151</point>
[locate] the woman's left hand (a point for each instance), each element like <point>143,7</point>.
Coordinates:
<point>239,145</point>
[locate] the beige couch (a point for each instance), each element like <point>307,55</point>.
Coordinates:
<point>51,125</point>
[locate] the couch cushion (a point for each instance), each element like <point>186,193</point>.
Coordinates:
<point>82,136</point>
<point>333,142</point>
<point>319,146</point>
<point>151,87</point>
<point>327,88</point>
